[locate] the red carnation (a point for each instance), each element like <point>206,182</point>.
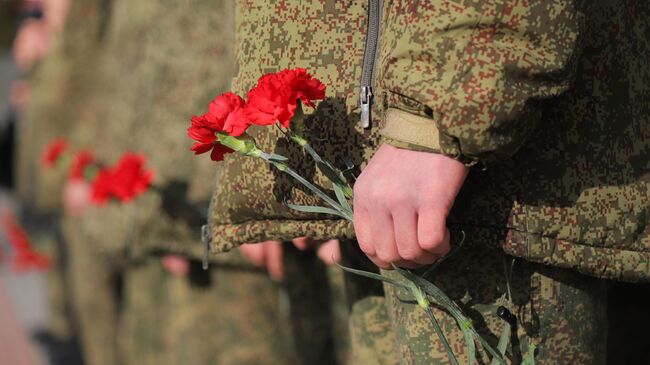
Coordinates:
<point>53,151</point>
<point>305,87</point>
<point>100,190</point>
<point>270,101</point>
<point>274,98</point>
<point>25,258</point>
<point>225,115</point>
<point>129,178</point>
<point>28,259</point>
<point>80,161</point>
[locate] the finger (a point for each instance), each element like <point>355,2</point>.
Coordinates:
<point>405,223</point>
<point>273,257</point>
<point>301,243</point>
<point>254,252</point>
<point>379,263</point>
<point>383,236</point>
<point>329,252</point>
<point>176,264</point>
<point>433,235</point>
<point>362,230</point>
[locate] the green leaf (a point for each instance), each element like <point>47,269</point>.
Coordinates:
<point>340,195</point>
<point>373,275</point>
<point>327,169</point>
<point>504,340</point>
<point>529,359</point>
<point>314,209</point>
<point>275,157</point>
<point>441,336</point>
<point>471,346</point>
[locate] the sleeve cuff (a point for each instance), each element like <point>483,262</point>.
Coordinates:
<point>413,132</point>
<point>411,129</point>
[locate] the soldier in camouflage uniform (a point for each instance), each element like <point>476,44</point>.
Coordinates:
<point>161,62</point>
<point>45,117</point>
<point>130,74</point>
<point>469,83</point>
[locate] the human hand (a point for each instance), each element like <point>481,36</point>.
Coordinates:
<point>176,264</point>
<point>76,196</point>
<point>32,43</point>
<point>401,202</point>
<point>269,253</point>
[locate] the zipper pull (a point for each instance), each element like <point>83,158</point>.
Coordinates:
<point>366,102</point>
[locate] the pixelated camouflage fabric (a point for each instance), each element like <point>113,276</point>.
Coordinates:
<point>558,311</point>
<point>327,38</point>
<point>229,314</point>
<point>551,96</point>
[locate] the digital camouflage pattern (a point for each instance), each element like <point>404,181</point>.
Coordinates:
<point>556,93</point>
<point>327,38</point>
<point>230,314</point>
<point>560,311</point>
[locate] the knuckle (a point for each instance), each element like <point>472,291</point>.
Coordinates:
<point>432,240</point>
<point>366,247</point>
<point>386,256</point>
<point>409,253</point>
<point>395,198</point>
<point>375,191</point>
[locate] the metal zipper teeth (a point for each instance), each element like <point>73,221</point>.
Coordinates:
<point>369,57</point>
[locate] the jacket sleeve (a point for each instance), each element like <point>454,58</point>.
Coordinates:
<point>466,78</point>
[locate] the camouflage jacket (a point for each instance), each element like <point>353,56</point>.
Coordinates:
<point>547,100</point>
<point>156,58</point>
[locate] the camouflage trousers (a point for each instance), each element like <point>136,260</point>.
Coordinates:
<point>559,311</point>
<point>233,314</point>
<point>136,312</point>
<point>229,314</point>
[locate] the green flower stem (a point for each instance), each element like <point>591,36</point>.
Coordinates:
<point>441,335</point>
<point>246,146</point>
<point>286,169</point>
<point>423,302</point>
<point>529,359</point>
<point>334,173</point>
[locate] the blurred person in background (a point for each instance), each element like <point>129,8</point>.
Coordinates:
<point>126,76</point>
<point>28,30</point>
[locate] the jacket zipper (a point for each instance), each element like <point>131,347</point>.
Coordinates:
<point>369,57</point>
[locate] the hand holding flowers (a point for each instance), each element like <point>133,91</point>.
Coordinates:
<point>392,226</point>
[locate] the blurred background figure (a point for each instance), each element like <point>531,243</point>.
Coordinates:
<point>126,282</point>
<point>28,30</point>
